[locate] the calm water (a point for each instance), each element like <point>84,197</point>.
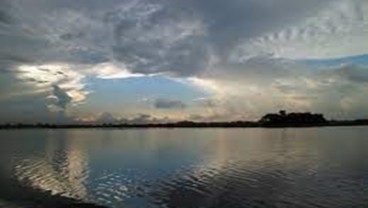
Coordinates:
<point>311,167</point>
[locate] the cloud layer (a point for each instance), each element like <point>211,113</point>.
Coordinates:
<point>246,53</point>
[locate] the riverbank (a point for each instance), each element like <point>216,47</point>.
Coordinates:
<point>189,124</point>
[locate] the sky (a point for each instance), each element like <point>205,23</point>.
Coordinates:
<point>143,61</point>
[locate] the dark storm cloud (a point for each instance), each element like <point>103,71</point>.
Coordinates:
<point>162,103</point>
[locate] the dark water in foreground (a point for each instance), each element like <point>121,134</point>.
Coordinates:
<point>311,167</point>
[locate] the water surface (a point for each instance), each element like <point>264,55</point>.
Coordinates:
<point>302,167</point>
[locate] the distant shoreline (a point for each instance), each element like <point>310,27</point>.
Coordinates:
<point>185,124</point>
<point>270,120</point>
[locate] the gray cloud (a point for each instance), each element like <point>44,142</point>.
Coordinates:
<point>175,37</point>
<point>159,37</point>
<point>184,37</point>
<point>181,37</point>
<point>162,103</point>
<point>63,99</point>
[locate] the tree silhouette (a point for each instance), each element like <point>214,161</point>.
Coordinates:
<point>284,118</point>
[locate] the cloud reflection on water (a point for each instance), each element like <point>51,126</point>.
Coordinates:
<point>192,167</point>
